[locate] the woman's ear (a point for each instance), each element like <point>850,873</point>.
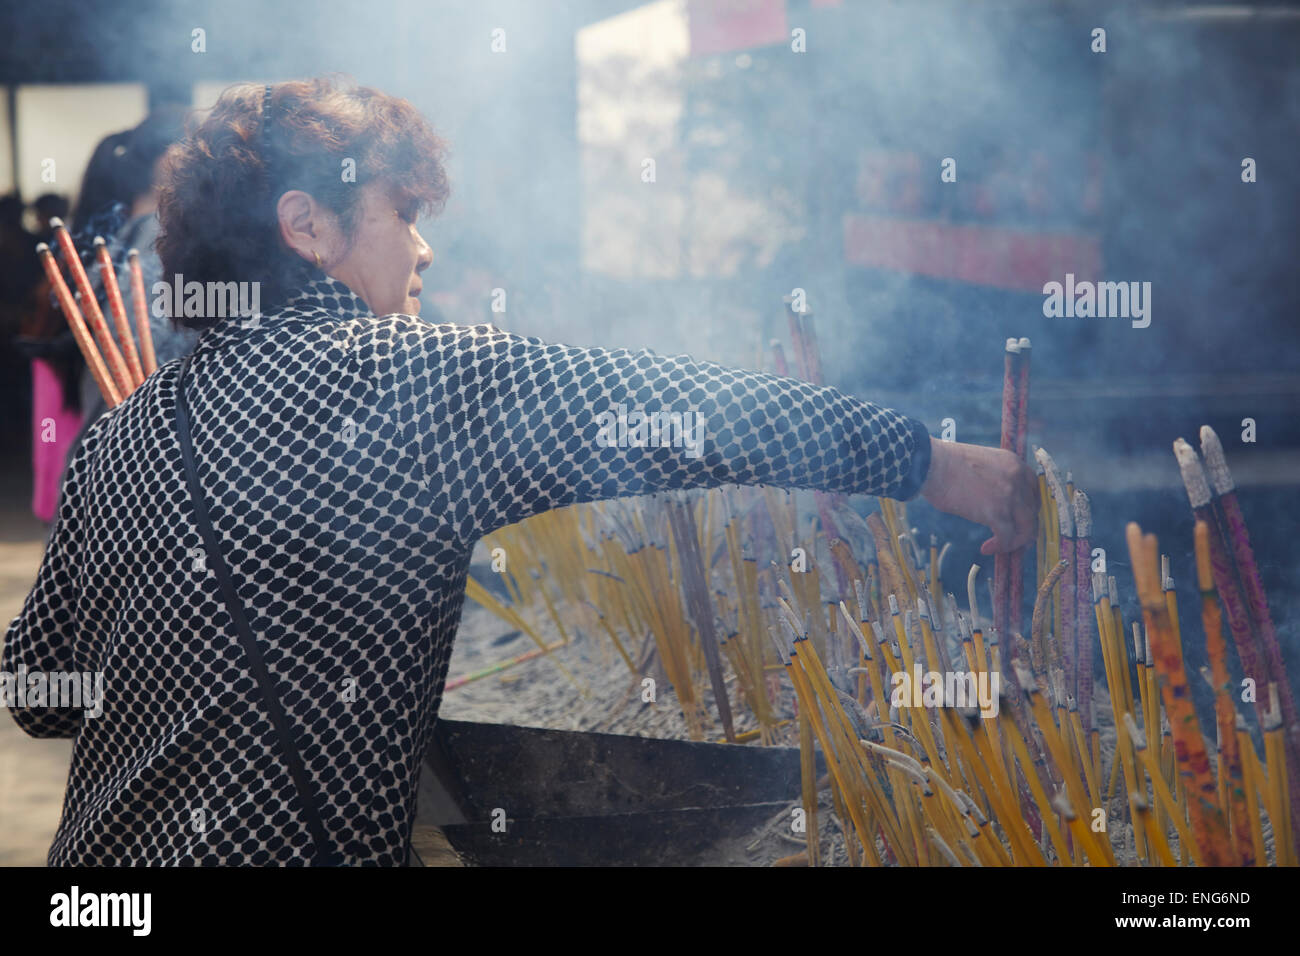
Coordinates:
<point>305,226</point>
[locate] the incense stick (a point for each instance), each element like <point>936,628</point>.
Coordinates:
<point>1082,613</point>
<point>1010,408</point>
<point>108,278</point>
<point>148,360</point>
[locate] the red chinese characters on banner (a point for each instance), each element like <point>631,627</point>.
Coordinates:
<point>1015,259</point>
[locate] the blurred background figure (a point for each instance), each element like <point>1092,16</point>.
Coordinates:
<point>20,270</point>
<point>49,206</point>
<point>20,318</point>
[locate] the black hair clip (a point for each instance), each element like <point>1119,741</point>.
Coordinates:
<point>266,109</point>
<point>266,134</point>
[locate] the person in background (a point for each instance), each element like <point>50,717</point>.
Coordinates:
<point>22,319</point>
<point>49,206</point>
<point>20,270</point>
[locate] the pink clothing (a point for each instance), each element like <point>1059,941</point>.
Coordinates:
<point>54,427</point>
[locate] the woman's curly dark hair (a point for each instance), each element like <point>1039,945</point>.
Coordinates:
<point>220,184</point>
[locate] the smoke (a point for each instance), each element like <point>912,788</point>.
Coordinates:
<point>919,169</point>
<point>787,144</point>
<point>808,149</point>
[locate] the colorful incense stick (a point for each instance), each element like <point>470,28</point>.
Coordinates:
<point>1016,596</point>
<point>148,361</point>
<point>1225,491</point>
<point>1068,598</point>
<point>1083,615</point>
<point>1002,560</point>
<point>117,308</point>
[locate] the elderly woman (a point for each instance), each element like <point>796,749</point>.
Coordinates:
<point>264,549</point>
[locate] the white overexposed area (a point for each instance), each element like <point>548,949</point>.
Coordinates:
<point>64,123</point>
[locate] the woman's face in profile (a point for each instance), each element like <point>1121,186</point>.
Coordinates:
<point>384,260</point>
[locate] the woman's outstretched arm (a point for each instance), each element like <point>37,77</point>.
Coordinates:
<point>516,426</point>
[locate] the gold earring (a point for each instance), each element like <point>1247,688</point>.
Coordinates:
<point>317,255</point>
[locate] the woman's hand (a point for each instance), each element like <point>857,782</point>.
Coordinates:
<point>989,486</point>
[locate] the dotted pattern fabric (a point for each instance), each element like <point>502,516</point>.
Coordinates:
<point>349,463</point>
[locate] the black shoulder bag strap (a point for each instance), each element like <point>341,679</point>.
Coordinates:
<point>324,854</point>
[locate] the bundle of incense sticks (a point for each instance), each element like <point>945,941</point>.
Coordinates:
<point>117,376</point>
<point>1237,581</point>
<point>917,784</point>
<point>1009,569</point>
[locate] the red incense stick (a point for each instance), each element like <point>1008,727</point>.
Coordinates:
<point>108,276</point>
<point>147,358</point>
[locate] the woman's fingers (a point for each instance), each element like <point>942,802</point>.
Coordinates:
<point>1017,530</point>
<point>987,485</point>
<point>1009,534</point>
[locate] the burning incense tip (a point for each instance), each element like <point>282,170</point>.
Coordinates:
<point>1024,345</point>
<point>1198,489</point>
<point>1215,462</point>
<point>1064,510</point>
<point>1082,515</point>
<point>1013,346</point>
<point>42,248</point>
<point>98,241</point>
<point>860,592</point>
<point>1062,804</point>
<point>56,222</point>
<point>1024,676</point>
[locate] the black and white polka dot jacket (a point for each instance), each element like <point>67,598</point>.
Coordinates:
<point>349,463</point>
